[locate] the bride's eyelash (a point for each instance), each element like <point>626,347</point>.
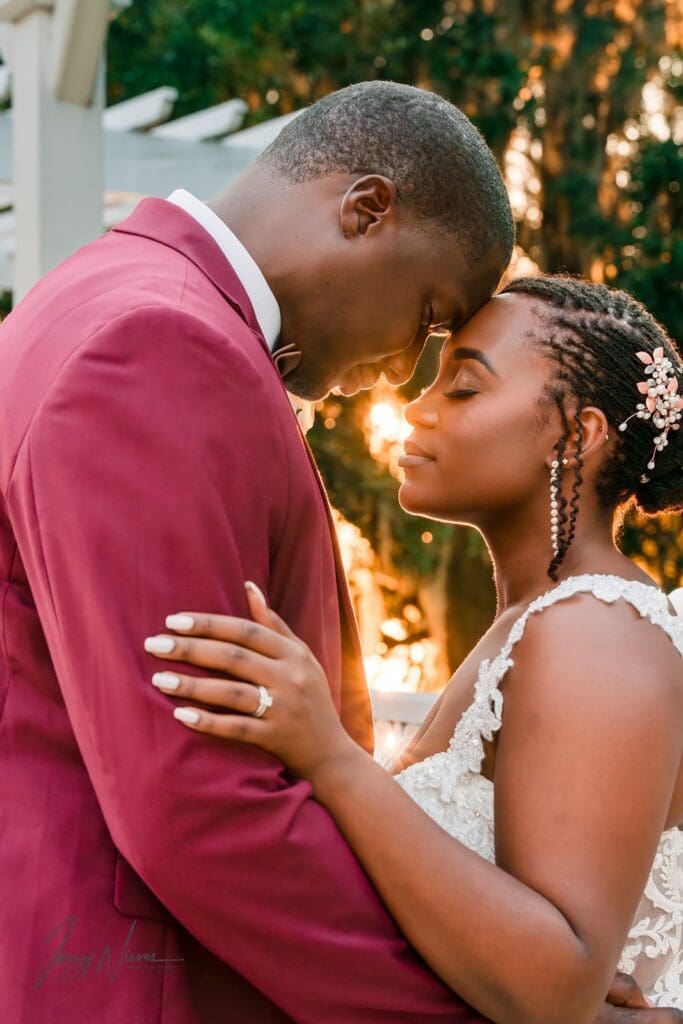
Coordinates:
<point>461,393</point>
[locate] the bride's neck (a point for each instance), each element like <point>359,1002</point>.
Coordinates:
<point>521,557</point>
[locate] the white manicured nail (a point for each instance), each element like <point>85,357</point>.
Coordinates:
<point>256,590</point>
<point>166,680</point>
<point>186,715</point>
<point>159,644</point>
<point>179,622</point>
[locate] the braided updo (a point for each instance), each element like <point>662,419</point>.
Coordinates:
<point>593,335</point>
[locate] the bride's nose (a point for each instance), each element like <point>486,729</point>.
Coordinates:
<point>419,413</point>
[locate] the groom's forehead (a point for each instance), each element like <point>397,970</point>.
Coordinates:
<point>464,297</point>
<point>478,282</point>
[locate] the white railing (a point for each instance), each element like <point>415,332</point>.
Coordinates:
<point>259,136</point>
<point>141,112</point>
<point>210,123</point>
<point>397,717</point>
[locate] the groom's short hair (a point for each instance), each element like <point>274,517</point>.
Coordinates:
<point>441,166</point>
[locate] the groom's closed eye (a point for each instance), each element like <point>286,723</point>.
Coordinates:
<point>436,325</point>
<point>442,317</point>
<point>447,326</point>
<point>400,367</point>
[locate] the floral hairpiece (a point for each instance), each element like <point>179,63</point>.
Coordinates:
<point>663,404</point>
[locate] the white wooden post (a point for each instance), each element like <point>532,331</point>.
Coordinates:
<point>55,49</point>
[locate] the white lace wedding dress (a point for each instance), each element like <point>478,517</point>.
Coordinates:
<point>449,786</point>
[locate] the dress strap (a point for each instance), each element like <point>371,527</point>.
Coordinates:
<point>484,717</point>
<point>649,601</point>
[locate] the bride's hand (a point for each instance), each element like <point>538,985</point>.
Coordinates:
<point>301,727</point>
<point>626,1004</point>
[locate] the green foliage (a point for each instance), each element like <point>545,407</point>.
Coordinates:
<point>657,545</point>
<point>649,247</point>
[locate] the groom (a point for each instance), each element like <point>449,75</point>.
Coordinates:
<point>149,460</point>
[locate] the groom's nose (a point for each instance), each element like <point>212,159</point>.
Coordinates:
<point>400,368</point>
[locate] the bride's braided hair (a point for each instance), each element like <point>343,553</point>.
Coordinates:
<point>593,335</point>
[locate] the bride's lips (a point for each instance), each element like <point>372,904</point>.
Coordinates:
<point>414,456</point>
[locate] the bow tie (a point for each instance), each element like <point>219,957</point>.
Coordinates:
<point>287,359</point>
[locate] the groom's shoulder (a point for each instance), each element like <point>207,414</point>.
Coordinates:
<point>132,296</point>
<point>98,324</point>
<point>117,281</point>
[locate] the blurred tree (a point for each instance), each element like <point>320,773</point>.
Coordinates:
<point>578,100</point>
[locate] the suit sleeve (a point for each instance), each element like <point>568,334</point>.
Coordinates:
<point>145,485</point>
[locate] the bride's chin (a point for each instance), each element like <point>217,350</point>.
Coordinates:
<point>416,504</point>
<point>409,500</point>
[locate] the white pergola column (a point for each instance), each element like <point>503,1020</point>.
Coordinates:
<point>55,51</point>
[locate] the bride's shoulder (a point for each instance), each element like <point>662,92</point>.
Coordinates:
<point>593,691</point>
<point>614,640</point>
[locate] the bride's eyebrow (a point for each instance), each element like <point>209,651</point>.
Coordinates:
<point>474,353</point>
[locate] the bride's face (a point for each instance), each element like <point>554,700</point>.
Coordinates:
<point>484,431</point>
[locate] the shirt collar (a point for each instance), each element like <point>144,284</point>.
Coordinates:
<point>260,295</point>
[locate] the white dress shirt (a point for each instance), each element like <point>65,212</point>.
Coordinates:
<point>254,283</point>
<point>242,262</point>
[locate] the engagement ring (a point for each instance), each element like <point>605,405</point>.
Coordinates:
<point>265,701</point>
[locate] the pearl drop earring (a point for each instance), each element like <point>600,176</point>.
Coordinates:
<point>555,477</point>
<point>555,481</point>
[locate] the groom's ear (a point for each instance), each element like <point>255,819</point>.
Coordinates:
<point>366,205</point>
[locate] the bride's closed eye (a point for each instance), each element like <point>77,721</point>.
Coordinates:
<point>461,393</point>
<point>462,385</point>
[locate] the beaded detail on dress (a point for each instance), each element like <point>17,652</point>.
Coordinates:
<point>450,788</point>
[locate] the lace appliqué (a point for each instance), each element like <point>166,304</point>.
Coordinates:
<point>657,934</point>
<point>450,788</point>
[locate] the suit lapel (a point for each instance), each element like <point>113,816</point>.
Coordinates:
<point>170,225</point>
<point>356,709</point>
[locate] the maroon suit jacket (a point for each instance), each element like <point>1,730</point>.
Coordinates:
<point>150,462</point>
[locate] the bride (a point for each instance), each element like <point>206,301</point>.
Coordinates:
<point>529,840</point>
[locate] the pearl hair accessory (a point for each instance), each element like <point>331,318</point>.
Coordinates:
<point>663,404</point>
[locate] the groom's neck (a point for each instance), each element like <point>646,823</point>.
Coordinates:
<point>257,208</point>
